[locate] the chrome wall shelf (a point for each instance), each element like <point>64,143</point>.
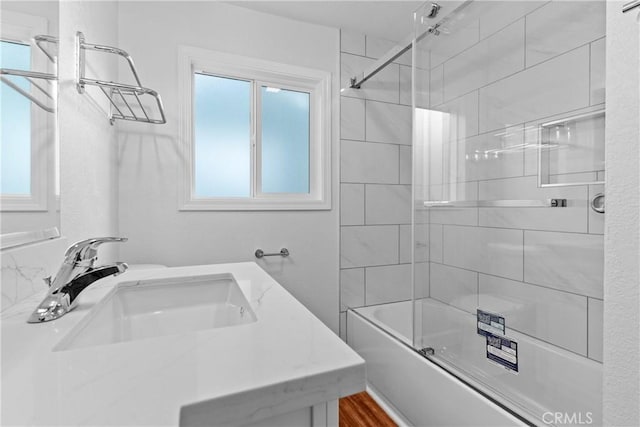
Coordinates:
<point>34,76</point>
<point>47,44</point>
<point>117,93</point>
<point>546,203</point>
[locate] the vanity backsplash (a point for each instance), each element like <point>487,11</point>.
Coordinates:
<point>24,267</point>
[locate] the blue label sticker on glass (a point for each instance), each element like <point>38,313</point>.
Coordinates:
<point>503,351</point>
<point>490,323</point>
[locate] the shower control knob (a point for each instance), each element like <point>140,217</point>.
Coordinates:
<point>597,203</point>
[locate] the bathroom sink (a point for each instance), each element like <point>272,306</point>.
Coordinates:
<point>158,307</point>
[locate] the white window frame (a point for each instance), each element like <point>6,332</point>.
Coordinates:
<point>263,73</point>
<point>20,28</point>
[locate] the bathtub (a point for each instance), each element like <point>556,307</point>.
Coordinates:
<point>426,394</point>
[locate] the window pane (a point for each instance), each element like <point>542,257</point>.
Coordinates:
<point>15,123</point>
<point>285,141</point>
<point>222,126</point>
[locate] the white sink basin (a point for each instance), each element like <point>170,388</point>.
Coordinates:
<point>158,307</point>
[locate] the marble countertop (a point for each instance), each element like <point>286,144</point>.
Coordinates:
<point>287,359</point>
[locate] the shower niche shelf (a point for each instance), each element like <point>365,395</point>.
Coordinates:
<point>35,77</point>
<point>542,203</point>
<point>126,102</point>
<point>571,150</point>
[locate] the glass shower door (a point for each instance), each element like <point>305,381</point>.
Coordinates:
<point>509,111</point>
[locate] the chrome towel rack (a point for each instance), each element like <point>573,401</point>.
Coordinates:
<point>43,40</point>
<point>546,203</point>
<point>34,76</point>
<point>118,93</point>
<point>284,252</point>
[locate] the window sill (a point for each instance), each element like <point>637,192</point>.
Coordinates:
<point>255,205</point>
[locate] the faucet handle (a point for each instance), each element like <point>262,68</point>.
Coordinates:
<point>87,250</point>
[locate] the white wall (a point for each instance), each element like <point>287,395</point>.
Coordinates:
<point>87,141</point>
<point>149,156</point>
<point>622,236</point>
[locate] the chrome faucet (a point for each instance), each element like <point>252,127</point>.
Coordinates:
<point>76,273</point>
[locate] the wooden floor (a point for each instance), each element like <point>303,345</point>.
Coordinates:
<point>360,410</point>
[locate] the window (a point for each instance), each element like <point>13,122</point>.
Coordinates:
<point>27,135</point>
<point>256,134</point>
<point>15,122</point>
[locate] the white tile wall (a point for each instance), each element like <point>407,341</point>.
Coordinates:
<point>384,86</point>
<point>369,245</point>
<point>572,218</point>
<point>449,44</point>
<point>390,123</point>
<point>560,26</point>
<point>455,216</point>
<point>466,191</point>
<point>366,162</point>
<point>352,204</point>
<point>496,15</point>
<point>553,316</point>
<point>375,210</point>
<point>388,204</point>
<point>352,42</point>
<point>435,242</point>
<point>422,239</point>
<point>422,89</point>
<point>351,288</point>
<point>486,250</point>
<point>461,120</point>
<point>496,154</point>
<point>422,281</point>
<point>436,91</point>
<point>493,58</point>
<point>376,47</point>
<point>566,261</point>
<point>454,286</point>
<point>352,118</point>
<point>598,71</point>
<point>526,96</point>
<point>595,328</point>
<point>405,244</point>
<point>405,165</point>
<point>405,86</point>
<point>388,284</point>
